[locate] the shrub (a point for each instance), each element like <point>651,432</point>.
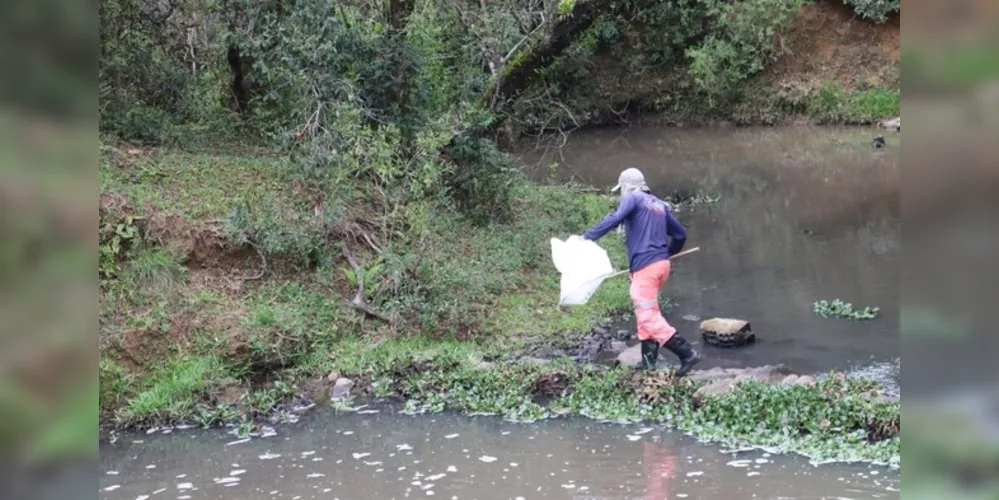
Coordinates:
<point>875,10</point>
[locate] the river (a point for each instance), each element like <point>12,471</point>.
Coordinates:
<point>802,214</point>
<point>385,455</point>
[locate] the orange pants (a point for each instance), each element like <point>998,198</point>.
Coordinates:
<point>645,285</point>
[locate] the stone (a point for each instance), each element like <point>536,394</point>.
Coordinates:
<point>715,389</point>
<point>631,356</point>
<point>618,345</point>
<point>535,361</point>
<point>789,380</point>
<point>332,377</point>
<point>342,387</point>
<point>727,332</point>
<point>893,124</point>
<point>806,380</point>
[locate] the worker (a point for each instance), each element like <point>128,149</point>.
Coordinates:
<point>652,234</point>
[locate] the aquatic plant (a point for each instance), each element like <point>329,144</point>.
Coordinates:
<point>839,309</point>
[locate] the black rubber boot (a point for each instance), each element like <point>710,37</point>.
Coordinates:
<point>688,356</point>
<point>650,352</point>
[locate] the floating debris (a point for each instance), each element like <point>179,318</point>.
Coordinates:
<point>314,475</point>
<point>358,456</point>
<point>645,430</point>
<point>739,463</point>
<point>238,441</point>
<point>227,480</point>
<point>451,468</point>
<point>436,477</point>
<point>237,472</point>
<point>185,486</point>
<point>367,412</point>
<point>150,467</point>
<point>308,453</point>
<point>403,447</point>
<point>269,456</point>
<point>753,473</point>
<point>112,473</point>
<point>112,487</point>
<point>695,473</point>
<point>451,436</point>
<point>633,437</point>
<point>487,459</point>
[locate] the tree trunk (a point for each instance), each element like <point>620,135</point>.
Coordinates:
<point>519,73</point>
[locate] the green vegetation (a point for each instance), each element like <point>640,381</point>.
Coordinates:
<point>876,10</point>
<point>839,309</point>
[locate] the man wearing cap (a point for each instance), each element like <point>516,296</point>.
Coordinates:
<point>652,234</point>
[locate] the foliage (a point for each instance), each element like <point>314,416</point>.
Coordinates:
<point>875,10</point>
<point>839,309</point>
<point>739,46</point>
<point>115,239</point>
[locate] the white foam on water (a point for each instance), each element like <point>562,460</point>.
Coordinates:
<point>358,456</point>
<point>237,472</point>
<point>436,477</point>
<point>161,490</point>
<point>112,473</point>
<point>150,467</point>
<point>451,468</point>
<point>634,438</point>
<point>185,486</point>
<point>238,441</point>
<point>142,497</point>
<point>738,463</point>
<point>451,436</point>
<point>227,480</point>
<point>695,473</point>
<point>314,475</point>
<point>112,487</point>
<point>487,459</point>
<point>269,456</point>
<point>403,447</point>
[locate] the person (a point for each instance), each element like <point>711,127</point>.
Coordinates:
<point>652,234</point>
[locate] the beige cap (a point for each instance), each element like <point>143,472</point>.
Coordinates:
<point>631,177</point>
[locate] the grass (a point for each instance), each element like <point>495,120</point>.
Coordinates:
<point>465,301</point>
<point>834,104</point>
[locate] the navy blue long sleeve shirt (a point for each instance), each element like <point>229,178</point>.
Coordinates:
<point>653,233</point>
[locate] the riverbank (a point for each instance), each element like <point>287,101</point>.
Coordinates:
<point>231,299</point>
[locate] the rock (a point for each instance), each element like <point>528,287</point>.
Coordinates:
<point>893,124</point>
<point>631,356</point>
<point>789,380</point>
<point>715,389</point>
<point>535,361</point>
<point>806,380</point>
<point>342,387</point>
<point>727,332</point>
<point>332,377</point>
<point>618,345</point>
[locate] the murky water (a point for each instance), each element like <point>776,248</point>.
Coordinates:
<point>803,214</point>
<point>390,456</point>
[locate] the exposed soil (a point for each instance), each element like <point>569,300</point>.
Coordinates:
<point>828,43</point>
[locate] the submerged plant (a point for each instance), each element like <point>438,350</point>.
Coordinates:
<point>840,309</point>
